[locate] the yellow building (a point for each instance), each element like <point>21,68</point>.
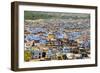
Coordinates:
<point>35,48</point>
<point>51,36</point>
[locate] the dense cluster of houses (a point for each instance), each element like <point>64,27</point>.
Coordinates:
<point>41,45</point>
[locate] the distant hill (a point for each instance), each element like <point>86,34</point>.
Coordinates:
<point>33,15</point>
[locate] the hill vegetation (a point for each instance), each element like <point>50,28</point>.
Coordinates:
<point>33,15</point>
